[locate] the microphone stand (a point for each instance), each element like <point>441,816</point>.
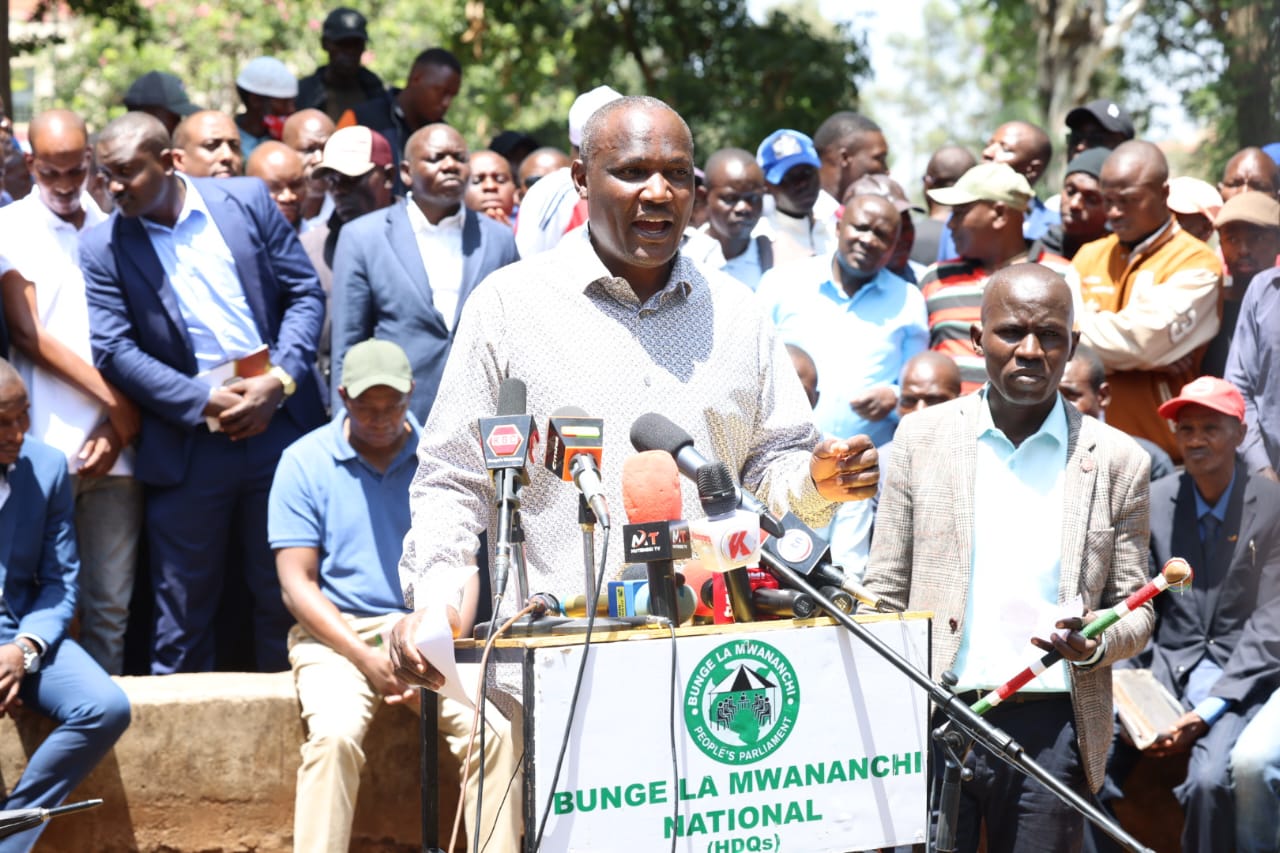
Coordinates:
<point>972,727</point>
<point>587,522</point>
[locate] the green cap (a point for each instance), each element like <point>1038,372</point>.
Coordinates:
<point>987,182</point>
<point>374,362</point>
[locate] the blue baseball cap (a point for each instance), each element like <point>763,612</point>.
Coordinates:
<point>783,149</point>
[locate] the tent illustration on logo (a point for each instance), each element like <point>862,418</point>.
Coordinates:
<point>743,704</point>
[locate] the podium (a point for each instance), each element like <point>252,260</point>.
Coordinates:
<point>788,735</point>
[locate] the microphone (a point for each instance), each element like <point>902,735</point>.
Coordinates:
<point>653,431</point>
<point>729,539</point>
<point>506,440</point>
<point>575,443</point>
<point>790,541</point>
<point>654,535</point>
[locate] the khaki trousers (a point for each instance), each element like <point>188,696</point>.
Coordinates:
<point>337,704</point>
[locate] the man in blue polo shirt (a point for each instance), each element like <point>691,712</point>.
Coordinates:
<point>859,322</point>
<point>338,513</point>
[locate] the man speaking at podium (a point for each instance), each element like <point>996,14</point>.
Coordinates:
<point>1008,503</point>
<point>617,322</point>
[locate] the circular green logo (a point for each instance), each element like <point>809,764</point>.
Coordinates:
<point>741,702</point>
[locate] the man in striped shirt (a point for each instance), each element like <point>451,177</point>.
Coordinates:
<point>987,208</point>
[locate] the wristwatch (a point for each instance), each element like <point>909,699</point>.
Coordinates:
<point>285,379</point>
<point>30,655</point>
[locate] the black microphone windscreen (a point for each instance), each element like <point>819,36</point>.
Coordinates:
<point>653,431</point>
<point>513,397</point>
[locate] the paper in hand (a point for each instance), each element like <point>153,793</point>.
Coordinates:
<point>435,641</point>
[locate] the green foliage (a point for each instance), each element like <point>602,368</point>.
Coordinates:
<point>733,79</point>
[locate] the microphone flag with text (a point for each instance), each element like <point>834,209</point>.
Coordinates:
<point>575,446</point>
<point>655,534</point>
<point>507,441</point>
<point>728,540</point>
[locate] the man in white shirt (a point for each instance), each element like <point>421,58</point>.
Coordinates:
<point>735,194</point>
<point>799,230</point>
<point>402,273</point>
<point>73,409</point>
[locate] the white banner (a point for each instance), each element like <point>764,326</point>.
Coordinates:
<point>786,738</point>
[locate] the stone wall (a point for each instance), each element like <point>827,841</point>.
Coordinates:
<point>209,763</point>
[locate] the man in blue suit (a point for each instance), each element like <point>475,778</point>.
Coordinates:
<point>188,282</point>
<point>1216,645</point>
<point>403,273</point>
<point>39,664</point>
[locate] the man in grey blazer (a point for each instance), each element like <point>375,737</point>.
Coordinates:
<point>403,273</point>
<point>1001,509</point>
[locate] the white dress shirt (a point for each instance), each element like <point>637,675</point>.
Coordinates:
<point>440,247</point>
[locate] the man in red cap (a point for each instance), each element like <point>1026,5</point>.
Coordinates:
<point>1216,643</point>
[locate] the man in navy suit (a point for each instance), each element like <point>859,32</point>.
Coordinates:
<point>39,664</point>
<point>403,273</point>
<point>1217,645</point>
<point>187,278</point>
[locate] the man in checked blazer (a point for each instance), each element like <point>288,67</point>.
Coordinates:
<point>1001,507</point>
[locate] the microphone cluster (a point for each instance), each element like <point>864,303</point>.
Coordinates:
<point>743,549</point>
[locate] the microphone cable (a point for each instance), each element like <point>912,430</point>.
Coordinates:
<point>671,728</point>
<point>577,687</point>
<point>477,726</point>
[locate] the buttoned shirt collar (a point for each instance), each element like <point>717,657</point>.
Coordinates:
<point>192,203</point>
<point>93,214</point>
<point>586,270</point>
<point>1052,428</point>
<point>1219,509</point>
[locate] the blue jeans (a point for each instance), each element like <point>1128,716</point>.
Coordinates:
<point>1255,772</point>
<point>91,713</point>
<point>108,527</point>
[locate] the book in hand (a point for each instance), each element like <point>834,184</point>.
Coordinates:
<point>1145,707</point>
<point>255,363</point>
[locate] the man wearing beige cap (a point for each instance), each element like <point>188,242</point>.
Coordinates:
<point>987,208</point>
<point>1249,240</point>
<point>1195,204</point>
<point>338,512</point>
<point>1148,294</point>
<point>358,168</point>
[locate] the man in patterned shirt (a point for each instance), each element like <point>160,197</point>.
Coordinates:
<point>616,321</point>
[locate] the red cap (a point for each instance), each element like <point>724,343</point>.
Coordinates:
<point>1210,392</point>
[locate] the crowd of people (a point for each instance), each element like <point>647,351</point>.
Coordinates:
<point>248,354</point>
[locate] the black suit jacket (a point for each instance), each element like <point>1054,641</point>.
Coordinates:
<point>1232,611</point>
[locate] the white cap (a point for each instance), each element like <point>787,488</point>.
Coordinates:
<point>584,106</point>
<point>269,77</point>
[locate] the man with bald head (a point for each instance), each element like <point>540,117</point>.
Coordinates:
<point>403,273</point>
<point>306,132</point>
<point>850,145</point>
<point>642,329</point>
<point>1149,294</point>
<point>990,514</point>
<point>73,408</point>
<point>280,168</point>
<point>735,194</point>
<point>1025,148</point>
<point>858,321</point>
<point>1250,169</point>
<point>212,332</point>
<point>207,145</point>
<point>945,167</point>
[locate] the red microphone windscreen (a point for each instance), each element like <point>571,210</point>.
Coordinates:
<point>651,487</point>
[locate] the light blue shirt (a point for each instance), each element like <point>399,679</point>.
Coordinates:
<point>325,496</point>
<point>1207,672</point>
<point>857,342</point>
<point>200,268</point>
<point>1017,551</point>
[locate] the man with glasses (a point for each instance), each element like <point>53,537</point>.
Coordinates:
<point>402,274</point>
